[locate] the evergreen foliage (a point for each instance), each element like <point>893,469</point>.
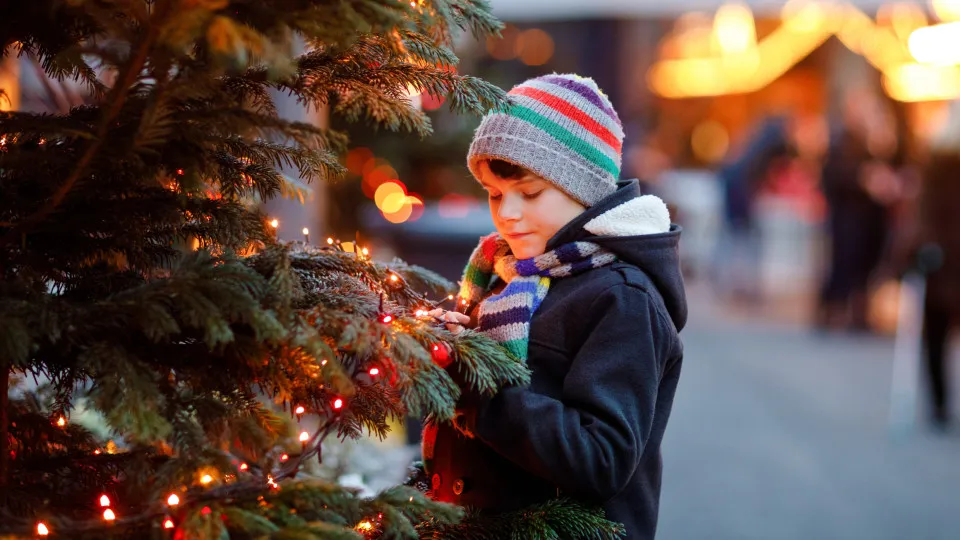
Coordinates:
<point>142,284</point>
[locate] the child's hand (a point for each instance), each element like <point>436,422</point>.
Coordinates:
<point>454,320</point>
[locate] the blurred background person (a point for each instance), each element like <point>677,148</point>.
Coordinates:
<point>737,256</point>
<point>858,186</point>
<point>939,224</point>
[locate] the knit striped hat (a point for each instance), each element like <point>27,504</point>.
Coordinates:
<point>560,127</point>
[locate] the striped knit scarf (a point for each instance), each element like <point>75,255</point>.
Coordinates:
<point>506,316</point>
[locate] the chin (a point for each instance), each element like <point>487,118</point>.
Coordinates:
<point>523,250</point>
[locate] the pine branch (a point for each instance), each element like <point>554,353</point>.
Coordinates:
<point>116,100</point>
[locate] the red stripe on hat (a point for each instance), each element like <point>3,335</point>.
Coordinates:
<point>570,111</point>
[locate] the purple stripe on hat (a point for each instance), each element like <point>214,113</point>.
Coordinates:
<point>584,91</point>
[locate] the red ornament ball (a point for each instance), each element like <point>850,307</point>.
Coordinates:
<point>441,355</point>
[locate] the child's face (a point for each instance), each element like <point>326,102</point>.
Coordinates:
<point>527,211</point>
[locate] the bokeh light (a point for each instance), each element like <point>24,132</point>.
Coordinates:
<point>386,189</point>
<point>504,47</point>
<point>357,158</point>
<point>709,141</point>
<point>534,47</point>
<point>454,205</point>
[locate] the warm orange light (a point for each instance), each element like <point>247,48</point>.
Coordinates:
<point>42,529</point>
<point>365,251</point>
<point>274,223</point>
<point>304,436</point>
<point>108,515</point>
<point>374,372</point>
<point>364,526</point>
<point>300,410</point>
<point>173,499</point>
<point>387,319</point>
<point>206,479</point>
<point>338,403</point>
<point>330,241</point>
<point>394,278</point>
<point>168,523</point>
<point>243,466</point>
<point>284,457</point>
<point>61,421</point>
<point>104,500</point>
<point>305,230</point>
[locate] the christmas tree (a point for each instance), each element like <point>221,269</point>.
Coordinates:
<point>168,369</point>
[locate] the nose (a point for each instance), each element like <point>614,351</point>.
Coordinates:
<point>510,208</point>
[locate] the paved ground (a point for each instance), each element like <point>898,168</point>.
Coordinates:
<point>779,434</point>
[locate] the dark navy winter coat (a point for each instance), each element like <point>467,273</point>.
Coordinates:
<point>605,356</point>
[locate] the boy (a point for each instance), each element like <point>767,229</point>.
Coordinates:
<point>581,282</point>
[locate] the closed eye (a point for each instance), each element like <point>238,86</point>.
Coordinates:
<point>530,196</point>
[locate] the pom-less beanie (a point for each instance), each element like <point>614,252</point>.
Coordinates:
<point>560,127</point>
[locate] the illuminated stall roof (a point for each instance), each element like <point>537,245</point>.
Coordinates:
<point>541,10</point>
<point>721,54</point>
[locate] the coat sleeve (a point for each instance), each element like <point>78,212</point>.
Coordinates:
<point>590,441</point>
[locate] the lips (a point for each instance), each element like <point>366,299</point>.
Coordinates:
<point>517,236</point>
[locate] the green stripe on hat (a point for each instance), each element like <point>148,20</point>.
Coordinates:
<point>561,134</point>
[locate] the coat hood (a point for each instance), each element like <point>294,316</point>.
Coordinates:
<point>637,229</point>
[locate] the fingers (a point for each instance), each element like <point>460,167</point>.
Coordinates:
<point>454,328</point>
<point>449,316</point>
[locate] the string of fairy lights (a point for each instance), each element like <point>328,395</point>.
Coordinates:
<point>248,480</point>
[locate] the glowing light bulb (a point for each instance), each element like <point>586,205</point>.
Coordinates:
<point>306,230</point>
<point>108,515</point>
<point>206,479</point>
<point>420,313</point>
<point>61,421</point>
<point>104,500</point>
<point>173,500</point>
<point>206,511</point>
<point>330,241</point>
<point>450,297</point>
<point>387,319</point>
<point>374,372</point>
<point>97,452</point>
<point>284,457</point>
<point>179,172</point>
<point>168,523</point>
<point>394,278</point>
<point>338,403</point>
<point>300,410</point>
<point>304,436</point>
<point>243,466</point>
<point>42,529</point>
<point>274,223</point>
<point>365,251</point>
<point>366,525</point>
